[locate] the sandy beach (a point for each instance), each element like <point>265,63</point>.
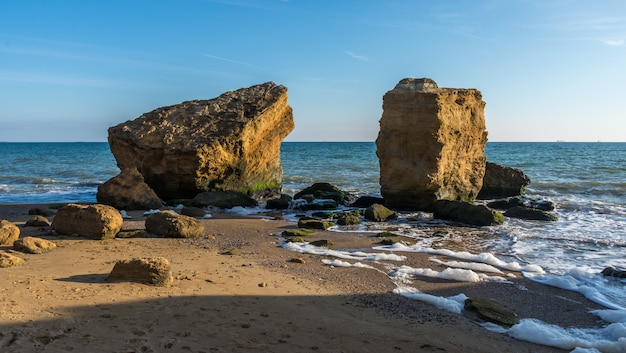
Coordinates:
<point>236,290</point>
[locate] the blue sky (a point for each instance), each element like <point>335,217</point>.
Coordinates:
<point>548,70</point>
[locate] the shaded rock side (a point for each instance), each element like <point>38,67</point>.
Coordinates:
<point>128,191</point>
<point>430,144</point>
<point>92,221</point>
<point>231,142</point>
<point>152,271</point>
<point>501,181</point>
<point>464,212</point>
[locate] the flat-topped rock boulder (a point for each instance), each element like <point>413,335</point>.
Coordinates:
<point>431,144</point>
<point>231,142</point>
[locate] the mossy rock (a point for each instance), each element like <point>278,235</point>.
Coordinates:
<point>348,220</point>
<point>379,213</point>
<point>464,212</point>
<point>297,232</point>
<point>325,191</point>
<point>492,311</point>
<point>387,241</point>
<point>315,224</point>
<point>325,243</point>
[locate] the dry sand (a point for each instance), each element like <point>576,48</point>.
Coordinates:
<point>236,290</point>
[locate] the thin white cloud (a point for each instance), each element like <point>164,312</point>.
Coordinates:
<point>614,42</point>
<point>226,59</point>
<point>358,57</point>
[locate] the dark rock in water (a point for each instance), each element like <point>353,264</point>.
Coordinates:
<point>231,142</point>
<point>223,199</point>
<point>281,203</point>
<point>543,205</point>
<point>323,243</point>
<point>319,204</point>
<point>529,214</point>
<point>501,181</point>
<point>464,212</point>
<point>613,272</point>
<point>491,311</point>
<point>325,191</point>
<point>507,203</point>
<point>379,213</point>
<point>367,201</point>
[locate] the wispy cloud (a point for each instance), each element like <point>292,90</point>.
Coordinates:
<point>614,42</point>
<point>358,57</point>
<point>226,59</point>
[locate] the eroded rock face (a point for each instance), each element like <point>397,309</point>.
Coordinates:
<point>171,225</point>
<point>9,232</point>
<point>431,144</point>
<point>231,142</point>
<point>92,221</point>
<point>33,245</point>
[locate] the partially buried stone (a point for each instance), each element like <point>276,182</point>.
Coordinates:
<point>491,311</point>
<point>152,271</point>
<point>9,260</point>
<point>37,221</point>
<point>32,245</point>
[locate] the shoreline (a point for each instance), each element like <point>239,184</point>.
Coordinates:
<point>236,290</point>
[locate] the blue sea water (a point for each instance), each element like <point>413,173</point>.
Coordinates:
<point>587,182</point>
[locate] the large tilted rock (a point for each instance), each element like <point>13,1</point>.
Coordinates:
<point>501,181</point>
<point>92,221</point>
<point>431,144</point>
<point>231,142</point>
<point>128,191</point>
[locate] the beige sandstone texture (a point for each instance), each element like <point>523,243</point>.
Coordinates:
<point>92,221</point>
<point>231,142</point>
<point>431,144</point>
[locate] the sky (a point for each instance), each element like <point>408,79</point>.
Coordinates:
<point>548,69</point>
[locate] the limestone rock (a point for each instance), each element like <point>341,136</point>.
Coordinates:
<point>379,213</point>
<point>92,221</point>
<point>348,219</point>
<point>501,181</point>
<point>195,212</point>
<point>9,260</point>
<point>32,245</point>
<point>465,212</point>
<point>37,221</point>
<point>128,191</point>
<point>153,271</point>
<point>231,142</point>
<point>9,232</point>
<point>430,144</point>
<point>171,225</point>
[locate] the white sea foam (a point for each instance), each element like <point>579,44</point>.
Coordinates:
<point>339,263</point>
<point>467,265</point>
<point>486,258</point>
<point>452,304</point>
<point>306,248</point>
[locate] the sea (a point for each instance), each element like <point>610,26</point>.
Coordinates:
<point>586,181</point>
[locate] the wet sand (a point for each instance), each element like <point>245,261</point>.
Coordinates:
<point>236,290</point>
